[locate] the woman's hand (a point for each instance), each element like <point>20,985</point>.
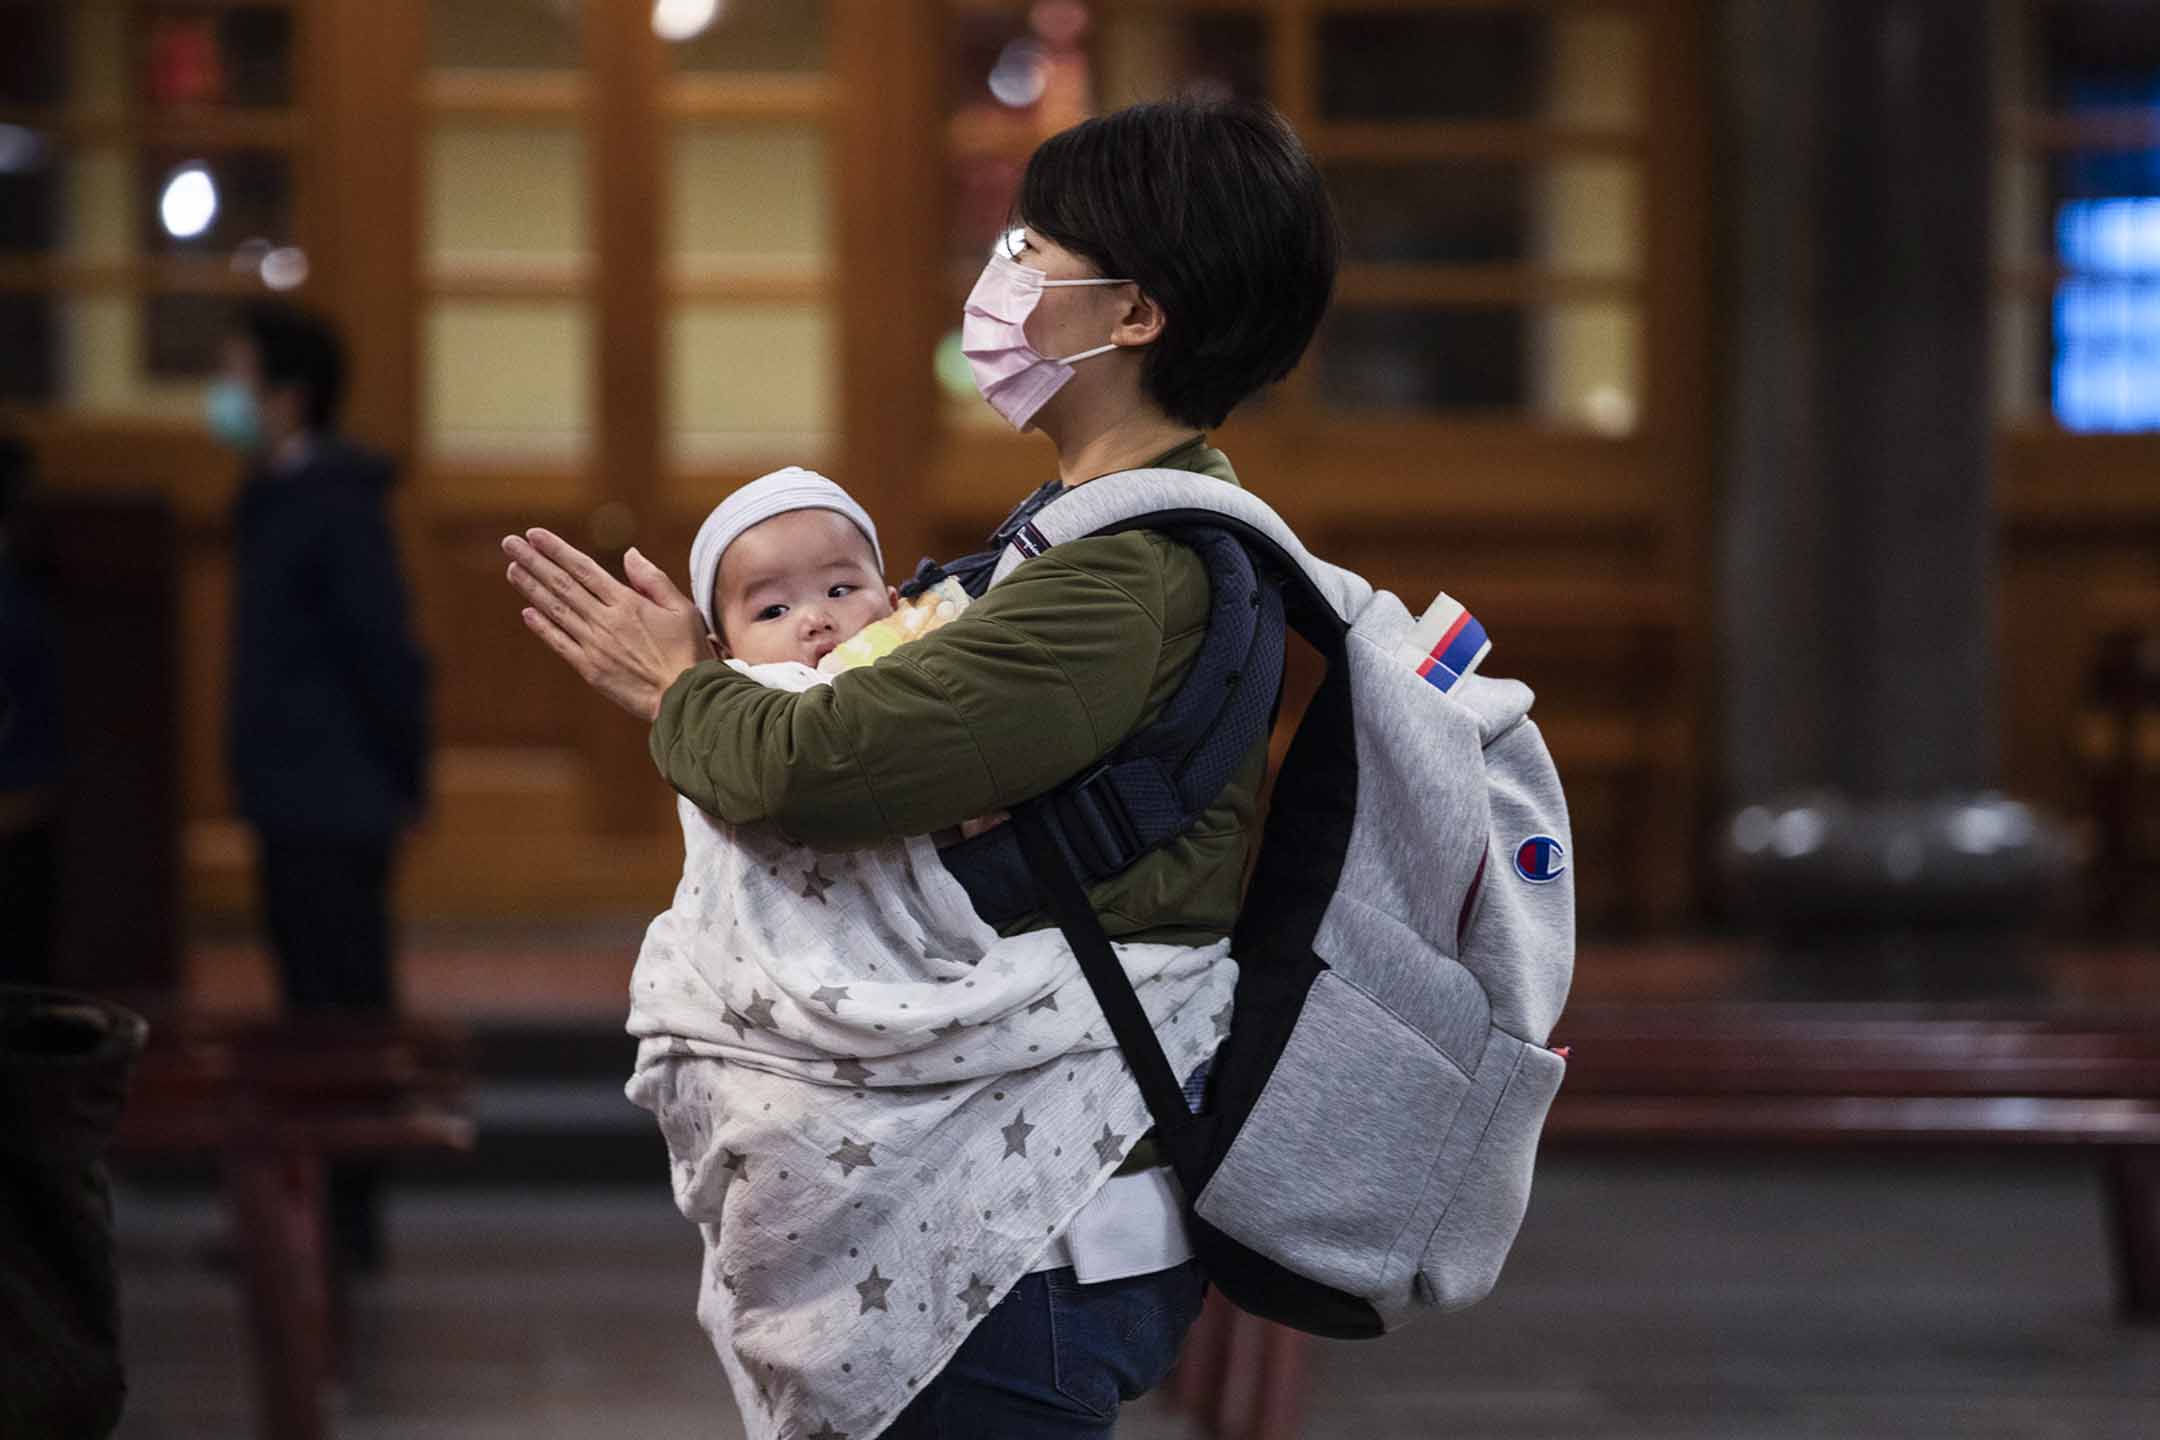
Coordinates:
<point>629,642</point>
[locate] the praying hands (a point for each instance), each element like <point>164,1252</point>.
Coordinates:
<point>629,642</point>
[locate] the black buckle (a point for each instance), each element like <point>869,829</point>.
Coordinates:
<point>927,573</point>
<point>1097,828</point>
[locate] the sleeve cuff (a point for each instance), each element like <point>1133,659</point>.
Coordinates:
<point>667,725</point>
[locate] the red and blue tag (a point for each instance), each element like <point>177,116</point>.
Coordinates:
<point>1458,652</point>
<point>1541,859</point>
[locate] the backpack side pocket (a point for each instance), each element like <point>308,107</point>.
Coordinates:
<point>1484,1176</point>
<point>1342,1138</point>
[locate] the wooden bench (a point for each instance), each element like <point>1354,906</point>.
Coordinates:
<point>1727,1073</point>
<point>275,1102</point>
<point>1815,1075</point>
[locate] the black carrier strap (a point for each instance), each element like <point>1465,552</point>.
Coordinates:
<point>1162,779</point>
<point>1068,905</point>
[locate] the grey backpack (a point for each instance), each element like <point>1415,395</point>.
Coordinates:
<point>1373,1114</point>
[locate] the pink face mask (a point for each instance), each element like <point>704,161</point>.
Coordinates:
<point>1011,374</point>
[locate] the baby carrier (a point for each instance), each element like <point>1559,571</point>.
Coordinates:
<point>1403,951</point>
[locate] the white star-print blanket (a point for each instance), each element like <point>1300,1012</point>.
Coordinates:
<point>878,1112</point>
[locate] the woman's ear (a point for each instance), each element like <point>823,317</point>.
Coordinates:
<point>1141,322</point>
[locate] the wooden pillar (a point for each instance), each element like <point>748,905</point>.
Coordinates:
<point>1908,151</point>
<point>627,69</point>
<point>1665,881</point>
<point>365,60</point>
<point>888,58</point>
<point>1859,527</point>
<point>1861,534</point>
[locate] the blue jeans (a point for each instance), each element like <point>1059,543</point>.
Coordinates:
<point>1056,1358</point>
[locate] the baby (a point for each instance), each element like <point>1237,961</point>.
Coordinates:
<point>788,573</point>
<point>787,568</point>
<point>879,1112</point>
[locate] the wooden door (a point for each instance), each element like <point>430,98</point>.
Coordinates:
<point>594,339</point>
<point>598,264</point>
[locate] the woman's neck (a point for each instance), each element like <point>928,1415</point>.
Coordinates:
<point>1125,443</point>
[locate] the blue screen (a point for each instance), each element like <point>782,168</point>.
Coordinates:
<point>2107,316</point>
<point>2106,361</point>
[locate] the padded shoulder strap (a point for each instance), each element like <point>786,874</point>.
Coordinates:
<point>1162,779</point>
<point>1322,599</point>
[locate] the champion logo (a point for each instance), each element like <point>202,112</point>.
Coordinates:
<point>1029,541</point>
<point>1541,859</point>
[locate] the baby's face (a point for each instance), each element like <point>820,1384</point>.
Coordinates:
<point>794,586</point>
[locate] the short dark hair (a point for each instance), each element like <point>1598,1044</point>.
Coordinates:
<point>1217,211</point>
<point>298,347</point>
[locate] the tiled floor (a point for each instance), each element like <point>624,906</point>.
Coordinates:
<point>1676,1299</point>
<point>1682,1298</point>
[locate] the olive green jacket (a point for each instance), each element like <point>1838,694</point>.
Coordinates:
<point>1043,676</point>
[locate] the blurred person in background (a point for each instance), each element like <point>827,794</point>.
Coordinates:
<point>29,744</point>
<point>329,703</point>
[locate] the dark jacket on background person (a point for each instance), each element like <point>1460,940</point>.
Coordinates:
<point>329,719</point>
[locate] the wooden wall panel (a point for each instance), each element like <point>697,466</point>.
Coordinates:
<point>888,65</point>
<point>495,686</point>
<point>367,61</point>
<point>205,627</point>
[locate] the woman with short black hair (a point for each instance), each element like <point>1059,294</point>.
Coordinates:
<point>1216,216</point>
<point>1167,262</point>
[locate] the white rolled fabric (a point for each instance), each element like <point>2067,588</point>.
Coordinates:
<point>783,490</point>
